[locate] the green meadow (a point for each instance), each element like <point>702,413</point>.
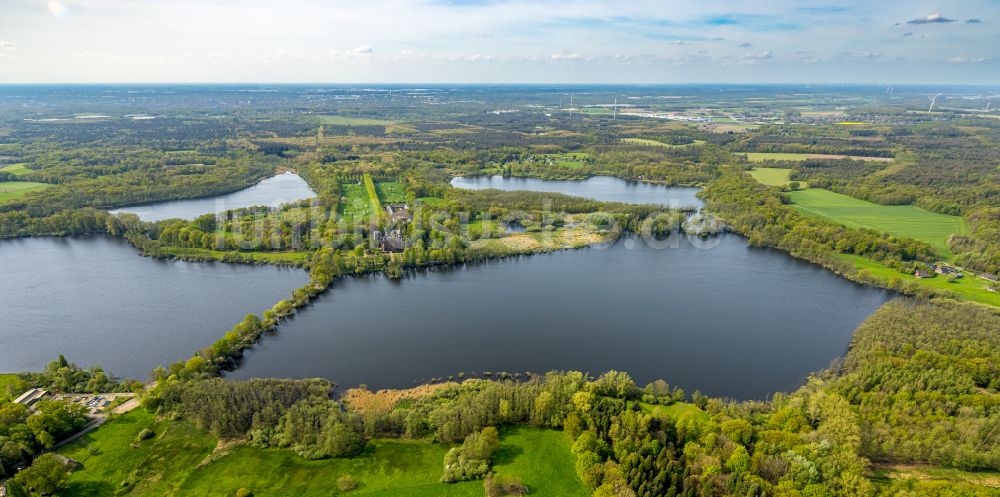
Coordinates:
<point>572,159</point>
<point>390,192</point>
<point>654,143</point>
<point>772,176</point>
<point>10,190</point>
<point>182,460</point>
<point>897,220</point>
<point>18,169</point>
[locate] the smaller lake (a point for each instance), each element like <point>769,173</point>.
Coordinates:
<point>603,188</point>
<point>272,192</point>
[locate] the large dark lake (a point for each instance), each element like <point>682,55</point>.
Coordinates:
<point>272,192</point>
<point>603,188</point>
<point>95,300</point>
<point>726,319</point>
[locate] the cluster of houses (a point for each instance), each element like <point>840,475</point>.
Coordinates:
<point>949,271</point>
<point>389,242</point>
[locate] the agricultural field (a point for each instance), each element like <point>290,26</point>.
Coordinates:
<point>772,176</point>
<point>10,190</point>
<point>18,169</point>
<point>971,287</point>
<point>180,460</point>
<point>654,143</point>
<point>897,220</point>
<point>781,156</point>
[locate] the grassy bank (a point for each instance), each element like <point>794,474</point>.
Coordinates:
<point>897,220</point>
<point>277,258</point>
<point>9,386</point>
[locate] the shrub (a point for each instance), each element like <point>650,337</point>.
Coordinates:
<point>145,434</point>
<point>346,483</point>
<point>244,492</point>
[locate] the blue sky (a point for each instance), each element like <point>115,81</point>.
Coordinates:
<point>510,41</point>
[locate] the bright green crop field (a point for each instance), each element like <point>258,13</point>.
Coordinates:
<point>897,220</point>
<point>10,190</point>
<point>182,460</point>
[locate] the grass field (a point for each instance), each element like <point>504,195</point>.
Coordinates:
<point>351,121</point>
<point>763,156</point>
<point>772,176</point>
<point>10,190</point>
<point>898,220</point>
<point>390,192</point>
<point>542,459</point>
<point>9,388</point>
<point>355,204</point>
<point>654,143</point>
<point>969,288</point>
<point>181,460</point>
<point>17,169</point>
<point>435,202</point>
<point>674,410</point>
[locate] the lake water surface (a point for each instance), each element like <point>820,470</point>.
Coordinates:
<point>603,188</point>
<point>729,320</point>
<point>272,192</point>
<point>95,300</point>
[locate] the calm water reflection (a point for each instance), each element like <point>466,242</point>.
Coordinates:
<point>96,301</point>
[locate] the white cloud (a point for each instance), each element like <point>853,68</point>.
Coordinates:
<point>361,51</point>
<point>6,45</point>
<point>57,8</point>
<point>968,60</point>
<point>572,57</point>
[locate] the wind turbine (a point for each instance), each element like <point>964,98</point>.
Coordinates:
<point>933,99</point>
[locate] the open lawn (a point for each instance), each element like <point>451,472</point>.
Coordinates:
<point>355,204</point>
<point>182,460</point>
<point>674,411</point>
<point>390,192</point>
<point>934,477</point>
<point>351,121</point>
<point>897,220</point>
<point>969,288</point>
<point>654,143</point>
<point>10,387</point>
<point>157,466</point>
<point>10,190</point>
<point>772,176</point>
<point>18,169</point>
<point>763,156</point>
<point>542,459</point>
<point>435,202</point>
